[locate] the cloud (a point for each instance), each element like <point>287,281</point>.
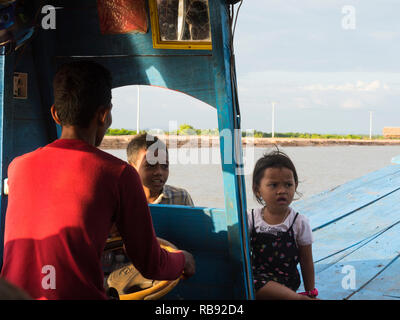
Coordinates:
<point>301,103</point>
<point>318,91</point>
<point>351,104</point>
<point>348,87</point>
<point>384,35</point>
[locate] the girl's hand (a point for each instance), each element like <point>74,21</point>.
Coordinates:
<point>307,267</point>
<point>311,293</point>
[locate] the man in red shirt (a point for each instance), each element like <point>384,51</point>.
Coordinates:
<point>64,198</point>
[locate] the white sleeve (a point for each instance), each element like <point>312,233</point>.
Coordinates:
<point>249,221</point>
<point>304,234</point>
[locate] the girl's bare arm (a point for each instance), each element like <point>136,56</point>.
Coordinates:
<point>307,267</point>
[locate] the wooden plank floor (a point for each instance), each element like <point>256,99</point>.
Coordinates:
<point>356,229</point>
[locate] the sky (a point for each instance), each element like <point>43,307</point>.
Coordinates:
<point>328,66</point>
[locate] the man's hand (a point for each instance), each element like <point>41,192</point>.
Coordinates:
<point>190,265</point>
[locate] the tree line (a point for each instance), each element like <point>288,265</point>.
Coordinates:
<point>186,129</point>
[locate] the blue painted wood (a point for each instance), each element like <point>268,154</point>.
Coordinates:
<point>357,228</point>
<point>3,205</point>
<point>367,262</point>
<point>234,189</point>
<point>30,119</point>
<point>43,76</point>
<point>131,57</point>
<point>386,286</point>
<point>345,199</point>
<point>204,233</point>
<point>6,132</point>
<point>356,225</point>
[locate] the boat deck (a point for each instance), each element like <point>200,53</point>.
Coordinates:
<point>356,228</point>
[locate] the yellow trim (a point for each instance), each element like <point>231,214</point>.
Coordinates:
<point>159,44</point>
<point>153,293</point>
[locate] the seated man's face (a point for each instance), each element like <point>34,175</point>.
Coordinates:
<point>153,169</point>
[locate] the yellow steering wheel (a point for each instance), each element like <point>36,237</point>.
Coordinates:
<point>128,281</point>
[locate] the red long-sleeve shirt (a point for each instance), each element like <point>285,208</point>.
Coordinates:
<point>63,199</point>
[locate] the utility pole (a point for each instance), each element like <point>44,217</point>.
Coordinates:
<point>370,125</point>
<point>273,120</point>
<point>138,111</point>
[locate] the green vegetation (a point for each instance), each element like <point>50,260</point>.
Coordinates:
<point>259,134</point>
<point>119,132</point>
<point>186,129</point>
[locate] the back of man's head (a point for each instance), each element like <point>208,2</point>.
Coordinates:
<point>80,89</point>
<point>142,142</point>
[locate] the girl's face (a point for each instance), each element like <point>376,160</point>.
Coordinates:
<point>277,187</point>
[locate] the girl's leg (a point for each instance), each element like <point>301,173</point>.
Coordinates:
<point>276,291</point>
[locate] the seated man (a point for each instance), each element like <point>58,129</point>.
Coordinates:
<point>64,198</point>
<point>149,156</point>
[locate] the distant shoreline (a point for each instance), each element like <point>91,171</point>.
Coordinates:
<point>121,142</point>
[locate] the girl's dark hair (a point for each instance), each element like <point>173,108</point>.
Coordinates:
<point>274,159</point>
<point>80,89</point>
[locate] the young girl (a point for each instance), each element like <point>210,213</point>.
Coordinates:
<point>280,237</point>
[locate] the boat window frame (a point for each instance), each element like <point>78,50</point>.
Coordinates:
<point>179,44</point>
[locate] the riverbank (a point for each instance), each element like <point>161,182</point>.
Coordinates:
<point>121,142</point>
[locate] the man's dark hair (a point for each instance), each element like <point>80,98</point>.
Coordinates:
<point>80,89</point>
<point>141,142</point>
<point>274,159</point>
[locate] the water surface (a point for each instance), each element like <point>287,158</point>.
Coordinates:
<point>318,169</point>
